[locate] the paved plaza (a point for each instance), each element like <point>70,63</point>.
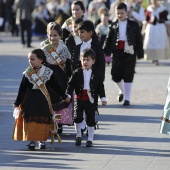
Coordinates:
<point>128,138</point>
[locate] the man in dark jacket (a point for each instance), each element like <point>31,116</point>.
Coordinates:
<point>24,19</point>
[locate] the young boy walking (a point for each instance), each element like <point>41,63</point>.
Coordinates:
<point>86,32</point>
<point>124,42</point>
<point>88,85</point>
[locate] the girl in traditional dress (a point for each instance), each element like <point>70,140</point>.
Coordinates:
<point>102,30</point>
<point>34,101</point>
<point>56,51</point>
<point>58,58</point>
<point>156,42</point>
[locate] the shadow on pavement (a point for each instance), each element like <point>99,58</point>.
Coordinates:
<point>134,106</point>
<point>36,159</point>
<point>132,119</point>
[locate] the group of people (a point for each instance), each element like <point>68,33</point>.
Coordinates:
<point>70,66</point>
<point>33,16</point>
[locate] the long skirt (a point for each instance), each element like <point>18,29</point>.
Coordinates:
<point>31,131</point>
<point>156,42</point>
<point>34,118</point>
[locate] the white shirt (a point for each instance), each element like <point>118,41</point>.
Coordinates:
<point>87,75</point>
<point>122,30</point>
<point>85,45</point>
<point>77,40</point>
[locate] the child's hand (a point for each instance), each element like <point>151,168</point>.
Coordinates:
<point>67,100</point>
<point>104,103</point>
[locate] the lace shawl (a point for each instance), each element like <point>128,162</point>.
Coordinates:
<point>61,50</point>
<point>44,73</point>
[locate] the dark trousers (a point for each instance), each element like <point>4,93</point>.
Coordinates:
<point>123,66</point>
<point>25,25</point>
<point>89,109</point>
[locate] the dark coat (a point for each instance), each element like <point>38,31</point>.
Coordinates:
<point>134,38</point>
<point>52,86</point>
<point>76,83</point>
<point>24,9</point>
<point>70,43</point>
<point>99,60</point>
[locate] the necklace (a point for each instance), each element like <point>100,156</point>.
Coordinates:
<point>37,69</point>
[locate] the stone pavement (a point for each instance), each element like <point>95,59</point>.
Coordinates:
<point>128,138</point>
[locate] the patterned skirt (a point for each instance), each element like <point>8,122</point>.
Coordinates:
<point>34,118</point>
<point>31,131</point>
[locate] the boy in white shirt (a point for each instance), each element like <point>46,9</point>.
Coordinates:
<point>88,85</point>
<point>124,42</point>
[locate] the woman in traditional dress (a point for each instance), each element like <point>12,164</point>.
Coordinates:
<point>34,102</point>
<point>77,10</point>
<point>156,42</point>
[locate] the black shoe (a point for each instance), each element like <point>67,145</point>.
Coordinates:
<point>87,133</point>
<point>78,141</point>
<point>120,97</point>
<point>89,143</point>
<point>126,103</point>
<point>157,63</point>
<point>83,130</point>
<point>29,46</point>
<point>42,145</point>
<point>60,129</point>
<point>31,146</point>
